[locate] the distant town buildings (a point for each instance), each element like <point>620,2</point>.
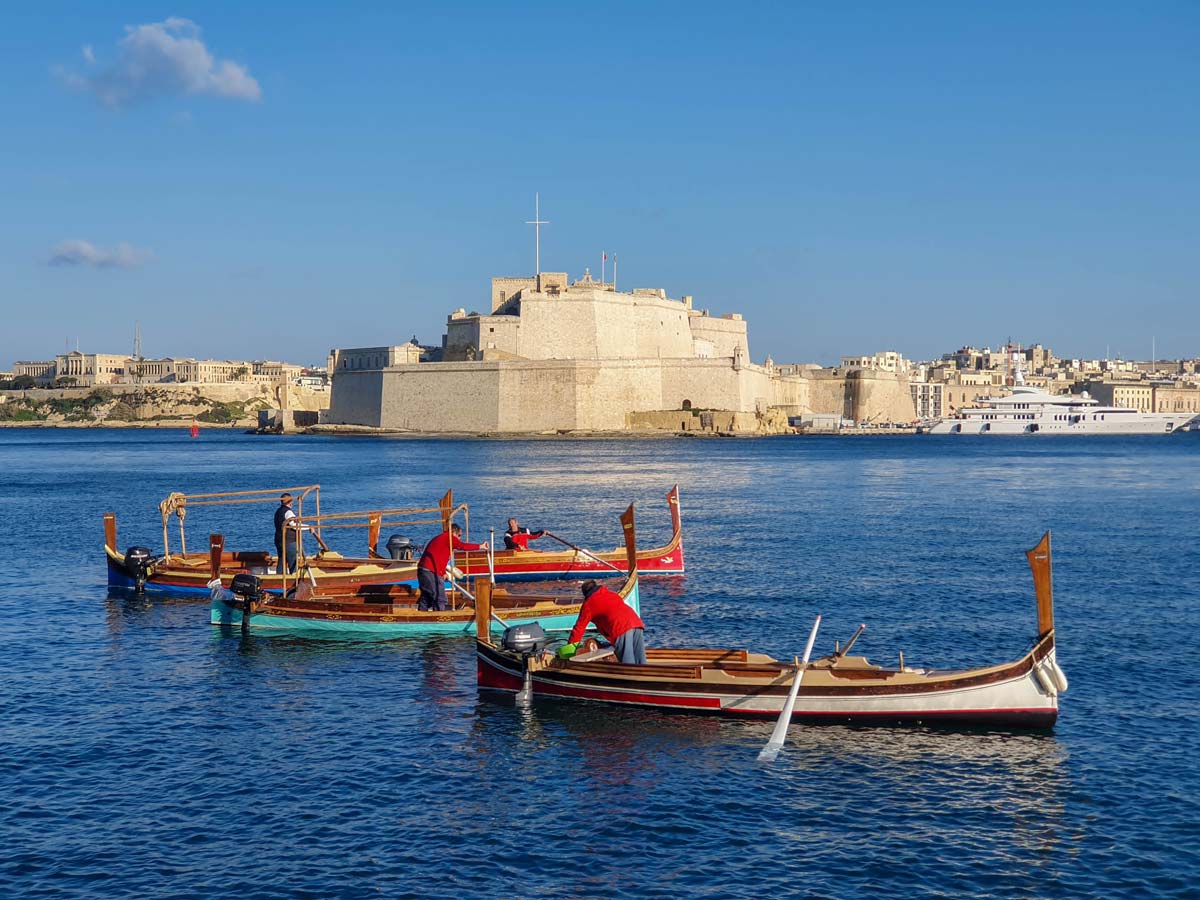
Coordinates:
<point>76,369</point>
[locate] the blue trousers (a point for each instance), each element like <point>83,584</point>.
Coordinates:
<point>630,647</point>
<point>433,591</point>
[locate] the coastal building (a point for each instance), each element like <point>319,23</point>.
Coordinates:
<point>928,399</point>
<point>42,371</point>
<point>560,355</point>
<point>1145,396</point>
<point>90,369</point>
<point>884,361</point>
<point>86,369</point>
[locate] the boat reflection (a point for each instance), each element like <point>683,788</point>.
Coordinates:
<point>966,782</point>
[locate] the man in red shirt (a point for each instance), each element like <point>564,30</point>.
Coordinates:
<point>615,619</point>
<point>431,570</point>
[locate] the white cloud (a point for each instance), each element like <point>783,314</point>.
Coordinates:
<point>89,54</point>
<point>83,253</point>
<point>163,59</point>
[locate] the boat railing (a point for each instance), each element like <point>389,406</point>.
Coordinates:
<point>178,503</point>
<point>374,521</point>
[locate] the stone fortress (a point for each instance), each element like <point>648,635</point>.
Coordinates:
<point>555,355</point>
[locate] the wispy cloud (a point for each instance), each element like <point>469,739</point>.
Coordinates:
<point>163,59</point>
<point>83,253</point>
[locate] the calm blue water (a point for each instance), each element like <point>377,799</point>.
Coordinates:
<point>143,753</point>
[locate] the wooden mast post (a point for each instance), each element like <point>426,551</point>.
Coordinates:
<point>630,539</point>
<point>216,546</point>
<point>1043,584</point>
<point>483,610</point>
<point>373,522</point>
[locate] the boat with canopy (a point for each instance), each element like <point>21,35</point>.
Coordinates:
<point>835,689</point>
<point>390,561</point>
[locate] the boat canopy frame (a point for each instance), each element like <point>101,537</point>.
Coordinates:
<point>177,503</point>
<point>374,520</point>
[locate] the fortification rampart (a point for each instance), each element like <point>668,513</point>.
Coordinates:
<point>541,395</point>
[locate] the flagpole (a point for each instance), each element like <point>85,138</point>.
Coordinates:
<point>614,273</point>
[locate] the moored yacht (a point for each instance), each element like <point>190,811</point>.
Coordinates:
<point>1030,410</point>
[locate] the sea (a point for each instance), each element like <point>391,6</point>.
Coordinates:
<point>146,753</point>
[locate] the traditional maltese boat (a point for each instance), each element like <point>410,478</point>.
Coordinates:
<point>838,688</point>
<point>384,562</point>
<point>392,611</point>
<point>576,562</point>
<point>184,572</point>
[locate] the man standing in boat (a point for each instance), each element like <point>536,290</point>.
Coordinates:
<point>289,536</point>
<point>614,619</point>
<point>431,570</point>
<point>518,538</point>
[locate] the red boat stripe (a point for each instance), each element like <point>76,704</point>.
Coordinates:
<point>626,696</point>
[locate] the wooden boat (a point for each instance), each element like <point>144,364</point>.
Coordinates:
<point>184,572</point>
<point>838,688</point>
<point>392,611</point>
<point>576,562</point>
<point>331,573</point>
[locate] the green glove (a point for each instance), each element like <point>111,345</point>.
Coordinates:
<point>566,651</point>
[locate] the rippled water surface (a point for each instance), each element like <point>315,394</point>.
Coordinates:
<point>146,753</point>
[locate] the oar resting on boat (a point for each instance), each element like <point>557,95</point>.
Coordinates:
<point>838,688</point>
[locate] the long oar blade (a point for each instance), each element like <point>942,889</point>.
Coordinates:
<point>779,735</point>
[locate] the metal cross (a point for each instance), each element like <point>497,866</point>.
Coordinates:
<point>537,224</point>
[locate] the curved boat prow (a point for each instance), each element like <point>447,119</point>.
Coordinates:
<point>629,590</point>
<point>1043,584</point>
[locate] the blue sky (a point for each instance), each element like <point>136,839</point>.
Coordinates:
<point>849,176</point>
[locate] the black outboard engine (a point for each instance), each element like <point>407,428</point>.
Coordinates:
<point>246,585</point>
<point>400,547</point>
<point>525,639</point>
<point>138,563</point>
<point>249,588</point>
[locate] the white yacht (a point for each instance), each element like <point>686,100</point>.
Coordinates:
<point>1030,410</point>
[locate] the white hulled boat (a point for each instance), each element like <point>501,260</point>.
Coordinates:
<point>1030,410</point>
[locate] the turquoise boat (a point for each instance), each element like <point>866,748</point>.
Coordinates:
<point>395,614</point>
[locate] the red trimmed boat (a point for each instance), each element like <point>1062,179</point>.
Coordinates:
<point>836,689</point>
<point>331,573</point>
<point>576,562</point>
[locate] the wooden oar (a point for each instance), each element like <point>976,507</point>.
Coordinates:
<point>586,553</point>
<point>779,735</point>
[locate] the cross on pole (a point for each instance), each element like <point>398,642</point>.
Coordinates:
<point>537,224</point>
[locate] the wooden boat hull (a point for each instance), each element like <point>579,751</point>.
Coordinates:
<point>190,574</point>
<point>737,684</point>
<point>546,565</point>
<point>337,617</point>
<point>335,575</point>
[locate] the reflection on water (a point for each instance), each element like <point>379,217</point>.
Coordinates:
<point>145,750</point>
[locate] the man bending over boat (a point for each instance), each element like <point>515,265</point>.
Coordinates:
<point>518,538</point>
<point>431,570</point>
<point>614,619</point>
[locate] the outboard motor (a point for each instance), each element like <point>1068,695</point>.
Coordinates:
<point>138,563</point>
<point>525,639</point>
<point>246,585</point>
<point>400,547</point>
<point>249,588</point>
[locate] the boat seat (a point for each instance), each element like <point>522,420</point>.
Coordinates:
<point>694,655</point>
<point>650,670</point>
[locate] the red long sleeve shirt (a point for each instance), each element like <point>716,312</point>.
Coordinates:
<point>437,552</point>
<point>612,615</point>
<point>519,539</point>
